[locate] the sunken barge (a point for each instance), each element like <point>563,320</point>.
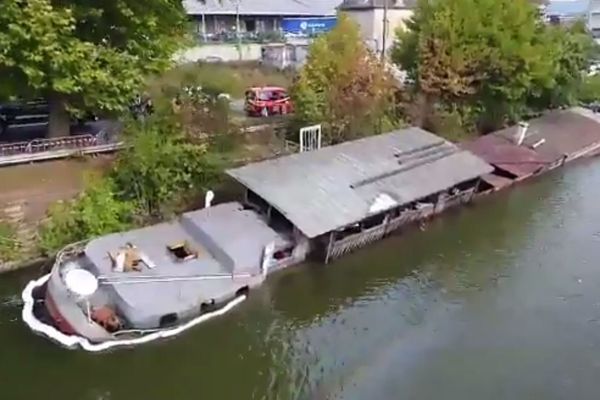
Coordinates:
<point>134,287</point>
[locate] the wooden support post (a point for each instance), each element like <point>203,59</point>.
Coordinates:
<point>329,247</point>
<point>475,189</point>
<point>386,221</point>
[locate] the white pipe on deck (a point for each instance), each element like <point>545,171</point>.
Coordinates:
<point>173,279</point>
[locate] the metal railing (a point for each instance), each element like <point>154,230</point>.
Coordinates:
<point>231,37</point>
<point>42,145</point>
<point>56,148</point>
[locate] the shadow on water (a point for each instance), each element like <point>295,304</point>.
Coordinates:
<point>371,325</point>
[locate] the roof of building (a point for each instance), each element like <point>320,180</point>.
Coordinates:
<point>504,154</point>
<point>371,4</point>
<point>262,7</point>
<point>565,132</point>
<point>227,239</point>
<point>327,189</point>
<point>567,7</point>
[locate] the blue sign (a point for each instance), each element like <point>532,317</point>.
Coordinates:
<point>307,26</point>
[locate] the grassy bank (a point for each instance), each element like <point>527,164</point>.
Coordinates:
<point>215,78</point>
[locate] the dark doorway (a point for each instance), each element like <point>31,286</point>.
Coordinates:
<point>250,25</point>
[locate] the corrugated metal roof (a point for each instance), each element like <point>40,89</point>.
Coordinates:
<point>502,153</point>
<point>262,7</point>
<point>565,132</point>
<point>370,4</point>
<point>335,186</point>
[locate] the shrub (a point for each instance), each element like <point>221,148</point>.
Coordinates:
<point>9,243</point>
<point>97,211</point>
<point>161,166</point>
<point>589,91</point>
<point>216,78</point>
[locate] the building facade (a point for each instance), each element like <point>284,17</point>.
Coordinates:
<point>377,28</point>
<point>228,20</point>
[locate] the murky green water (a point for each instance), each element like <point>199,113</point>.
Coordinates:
<point>497,301</point>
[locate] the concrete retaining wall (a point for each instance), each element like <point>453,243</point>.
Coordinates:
<point>221,52</point>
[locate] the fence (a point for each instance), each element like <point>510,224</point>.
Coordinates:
<point>232,37</point>
<point>55,148</point>
<point>353,242</point>
<point>41,145</point>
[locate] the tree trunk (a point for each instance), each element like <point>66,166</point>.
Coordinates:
<point>59,119</point>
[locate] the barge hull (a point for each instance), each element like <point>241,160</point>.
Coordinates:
<point>74,341</point>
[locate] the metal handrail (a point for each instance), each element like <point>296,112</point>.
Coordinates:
<point>167,278</point>
<point>42,145</point>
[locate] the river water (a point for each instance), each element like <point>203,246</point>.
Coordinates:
<point>500,300</point>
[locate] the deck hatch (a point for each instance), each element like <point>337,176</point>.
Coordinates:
<point>182,251</point>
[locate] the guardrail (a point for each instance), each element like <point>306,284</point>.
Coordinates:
<point>55,148</point>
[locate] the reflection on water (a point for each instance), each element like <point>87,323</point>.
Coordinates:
<point>496,301</point>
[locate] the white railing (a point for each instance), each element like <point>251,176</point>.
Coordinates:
<point>310,138</point>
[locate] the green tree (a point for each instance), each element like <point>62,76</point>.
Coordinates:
<point>491,61</point>
<point>342,85</point>
<point>83,54</point>
<point>160,172</point>
<point>161,167</point>
<point>97,211</point>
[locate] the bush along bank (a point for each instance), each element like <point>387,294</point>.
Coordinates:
<point>9,245</point>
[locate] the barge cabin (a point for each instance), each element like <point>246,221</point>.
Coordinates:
<point>342,197</point>
<point>542,144</point>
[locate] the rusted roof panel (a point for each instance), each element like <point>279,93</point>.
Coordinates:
<point>502,153</point>
<point>566,133</point>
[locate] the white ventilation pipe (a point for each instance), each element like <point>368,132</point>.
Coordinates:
<point>210,196</point>
<point>267,255</point>
<point>538,143</point>
<point>521,132</point>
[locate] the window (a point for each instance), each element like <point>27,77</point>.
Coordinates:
<point>265,95</point>
<point>182,251</point>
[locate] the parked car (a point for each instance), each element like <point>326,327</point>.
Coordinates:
<point>267,101</point>
<point>23,113</point>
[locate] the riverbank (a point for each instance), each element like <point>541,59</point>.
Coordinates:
<point>29,190</point>
<point>516,154</point>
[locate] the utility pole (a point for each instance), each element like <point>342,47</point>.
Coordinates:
<point>385,29</point>
<point>237,28</point>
